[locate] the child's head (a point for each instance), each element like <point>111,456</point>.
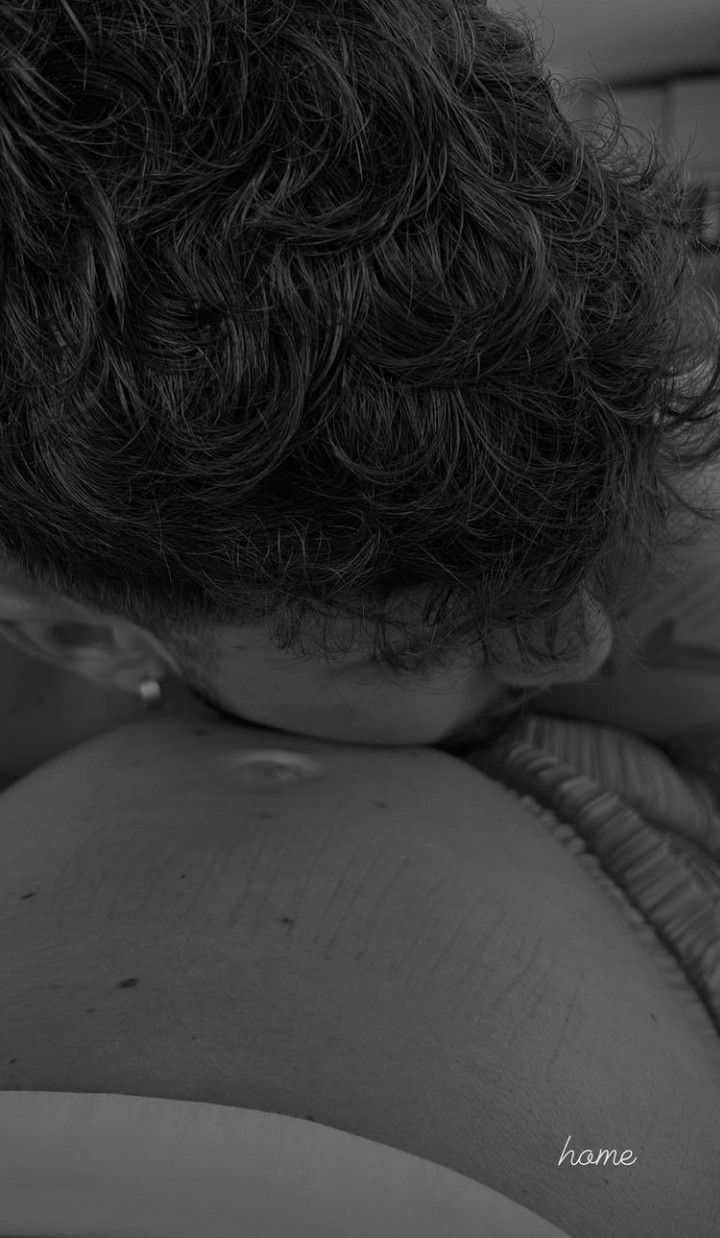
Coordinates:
<point>322,329</point>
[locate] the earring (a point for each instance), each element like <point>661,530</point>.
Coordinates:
<point>151,692</point>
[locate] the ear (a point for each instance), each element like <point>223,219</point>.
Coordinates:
<point>103,648</point>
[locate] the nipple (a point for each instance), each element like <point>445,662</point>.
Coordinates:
<point>268,769</point>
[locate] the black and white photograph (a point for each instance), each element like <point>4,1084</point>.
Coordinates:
<point>359,619</point>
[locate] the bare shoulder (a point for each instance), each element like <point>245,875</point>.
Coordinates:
<point>383,940</point>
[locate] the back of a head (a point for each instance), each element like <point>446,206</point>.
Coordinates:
<point>305,306</point>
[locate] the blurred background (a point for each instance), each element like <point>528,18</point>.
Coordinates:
<point>661,60</point>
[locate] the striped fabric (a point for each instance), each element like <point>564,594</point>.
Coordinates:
<point>646,829</point>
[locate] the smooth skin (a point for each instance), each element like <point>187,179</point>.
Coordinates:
<point>393,946</point>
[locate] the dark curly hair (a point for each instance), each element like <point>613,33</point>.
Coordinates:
<point>309,309</point>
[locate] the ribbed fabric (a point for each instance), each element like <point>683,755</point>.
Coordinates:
<point>645,830</point>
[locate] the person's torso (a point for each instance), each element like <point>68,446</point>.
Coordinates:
<point>387,943</point>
